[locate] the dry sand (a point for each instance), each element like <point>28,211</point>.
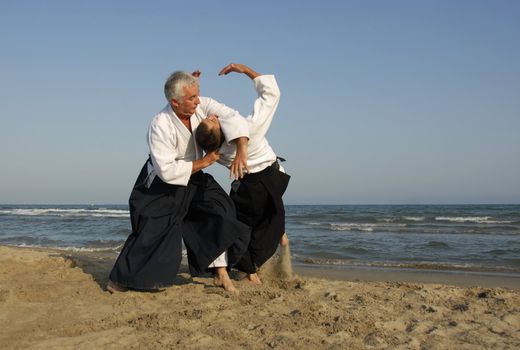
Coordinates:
<point>53,300</point>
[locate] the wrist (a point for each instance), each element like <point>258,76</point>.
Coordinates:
<point>251,73</point>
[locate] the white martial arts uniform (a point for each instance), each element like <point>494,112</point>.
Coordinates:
<point>258,195</point>
<point>173,147</point>
<point>260,154</point>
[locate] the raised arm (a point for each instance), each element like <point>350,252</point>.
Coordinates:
<point>265,105</point>
<point>267,101</point>
<point>239,68</point>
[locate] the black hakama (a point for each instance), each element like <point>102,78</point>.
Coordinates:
<point>258,199</point>
<point>162,216</point>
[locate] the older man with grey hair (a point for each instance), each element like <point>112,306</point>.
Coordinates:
<point>174,201</point>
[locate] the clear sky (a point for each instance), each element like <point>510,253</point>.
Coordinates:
<point>383,102</point>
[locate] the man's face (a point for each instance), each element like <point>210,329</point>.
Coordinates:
<point>188,103</point>
<point>212,122</point>
<point>213,134</point>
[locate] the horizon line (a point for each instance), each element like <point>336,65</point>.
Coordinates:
<point>358,204</point>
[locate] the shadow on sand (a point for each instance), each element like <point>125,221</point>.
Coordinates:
<point>99,265</point>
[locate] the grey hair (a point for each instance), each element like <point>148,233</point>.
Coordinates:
<point>173,88</point>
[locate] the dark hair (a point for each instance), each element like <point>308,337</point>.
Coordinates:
<point>210,139</point>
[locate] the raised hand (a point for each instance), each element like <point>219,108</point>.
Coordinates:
<point>238,68</point>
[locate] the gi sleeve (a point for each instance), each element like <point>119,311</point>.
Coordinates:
<point>233,125</point>
<point>164,155</point>
<point>265,104</point>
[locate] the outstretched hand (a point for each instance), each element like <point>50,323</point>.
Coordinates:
<point>233,67</point>
<point>238,68</point>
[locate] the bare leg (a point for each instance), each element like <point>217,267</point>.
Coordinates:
<point>253,278</point>
<point>284,240</point>
<point>222,280</point>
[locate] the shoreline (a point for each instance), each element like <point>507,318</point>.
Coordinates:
<point>408,275</point>
<point>462,278</point>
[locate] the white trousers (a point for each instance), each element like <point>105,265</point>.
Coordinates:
<point>220,261</point>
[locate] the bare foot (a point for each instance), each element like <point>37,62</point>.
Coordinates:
<point>114,287</point>
<point>284,240</point>
<point>254,279</point>
<point>222,280</point>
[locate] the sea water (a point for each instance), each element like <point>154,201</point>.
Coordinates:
<point>440,237</point>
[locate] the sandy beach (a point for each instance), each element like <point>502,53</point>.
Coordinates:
<point>58,300</point>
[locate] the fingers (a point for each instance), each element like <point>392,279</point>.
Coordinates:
<point>226,69</point>
<point>232,173</point>
<point>237,171</point>
<point>232,67</point>
<point>213,156</point>
<point>242,170</point>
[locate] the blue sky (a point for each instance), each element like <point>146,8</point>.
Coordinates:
<point>383,102</point>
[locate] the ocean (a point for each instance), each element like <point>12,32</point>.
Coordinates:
<point>480,238</point>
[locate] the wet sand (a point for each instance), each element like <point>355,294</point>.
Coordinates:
<point>455,278</point>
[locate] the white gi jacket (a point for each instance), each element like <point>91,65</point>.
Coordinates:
<point>260,154</point>
<point>173,147</point>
